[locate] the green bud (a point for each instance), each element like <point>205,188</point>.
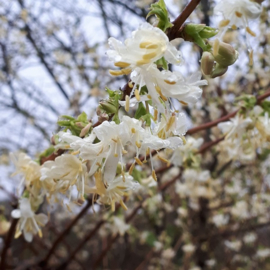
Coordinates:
<point>108,107</point>
<point>207,63</point>
<point>218,71</point>
<point>159,9</point>
<point>224,53</point>
<point>198,33</point>
<point>201,29</point>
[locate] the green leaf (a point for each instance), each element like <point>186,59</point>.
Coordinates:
<point>141,111</point>
<point>159,9</point>
<point>150,239</point>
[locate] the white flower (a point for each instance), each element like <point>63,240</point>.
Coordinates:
<point>65,171</point>
<point>220,220</point>
<point>189,248</point>
<point>263,253</point>
<point>236,127</point>
<point>250,238</point>
<point>183,152</point>
<point>168,254</point>
<point>29,222</point>
<point>138,55</point>
<point>174,85</point>
<point>147,45</point>
<point>237,13</point>
<point>233,245</point>
<point>171,124</point>
<point>115,189</point>
<point>27,167</point>
<point>120,226</point>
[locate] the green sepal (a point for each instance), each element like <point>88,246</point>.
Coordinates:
<point>74,125</point>
<point>162,63</point>
<point>159,9</point>
<point>47,152</point>
<point>199,33</point>
<point>247,102</point>
<point>141,111</point>
<point>266,106</point>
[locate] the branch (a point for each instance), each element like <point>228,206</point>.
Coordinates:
<point>44,262</point>
<point>179,21</point>
<point>224,118</point>
<point>8,240</point>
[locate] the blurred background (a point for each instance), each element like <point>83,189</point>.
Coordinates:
<point>53,62</point>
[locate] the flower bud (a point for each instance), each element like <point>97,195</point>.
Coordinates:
<point>218,71</point>
<point>207,63</point>
<point>224,53</point>
<point>108,107</point>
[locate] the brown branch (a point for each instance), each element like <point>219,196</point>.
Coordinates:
<point>8,240</point>
<point>180,20</point>
<point>129,218</point>
<point>44,262</point>
<point>224,118</point>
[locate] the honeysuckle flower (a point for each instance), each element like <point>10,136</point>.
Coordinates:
<point>147,45</point>
<point>236,127</point>
<point>29,223</point>
<point>117,189</point>
<point>138,55</point>
<point>26,167</point>
<point>174,85</point>
<point>119,226</point>
<point>171,124</point>
<point>233,245</point>
<point>186,151</point>
<point>237,13</point>
<point>66,170</point>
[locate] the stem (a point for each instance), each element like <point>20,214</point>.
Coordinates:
<point>65,232</point>
<point>179,21</point>
<point>7,243</point>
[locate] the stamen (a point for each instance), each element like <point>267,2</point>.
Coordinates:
<point>114,140</point>
<point>123,205</point>
<point>250,32</point>
<point>123,175</point>
<point>149,96</point>
<point>124,71</point>
<point>155,114</point>
<point>131,169</point>
<point>170,123</point>
<point>144,44</point>
<point>127,103</point>
<point>137,94</point>
<point>224,23</point>
<point>40,233</point>
<point>138,144</point>
<point>182,102</point>
<point>251,58</point>
<point>170,82</point>
<point>133,130</point>
<point>113,206</point>
<point>238,14</point>
<point>130,84</point>
<point>234,27</point>
<point>163,159</point>
<point>122,64</point>
<point>154,175</point>
<point>143,62</point>
<point>215,47</point>
<point>138,161</point>
<point>148,45</point>
<point>160,93</point>
<point>149,55</point>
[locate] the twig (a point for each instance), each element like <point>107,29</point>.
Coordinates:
<point>179,21</point>
<point>224,118</point>
<point>44,262</point>
<point>8,240</point>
